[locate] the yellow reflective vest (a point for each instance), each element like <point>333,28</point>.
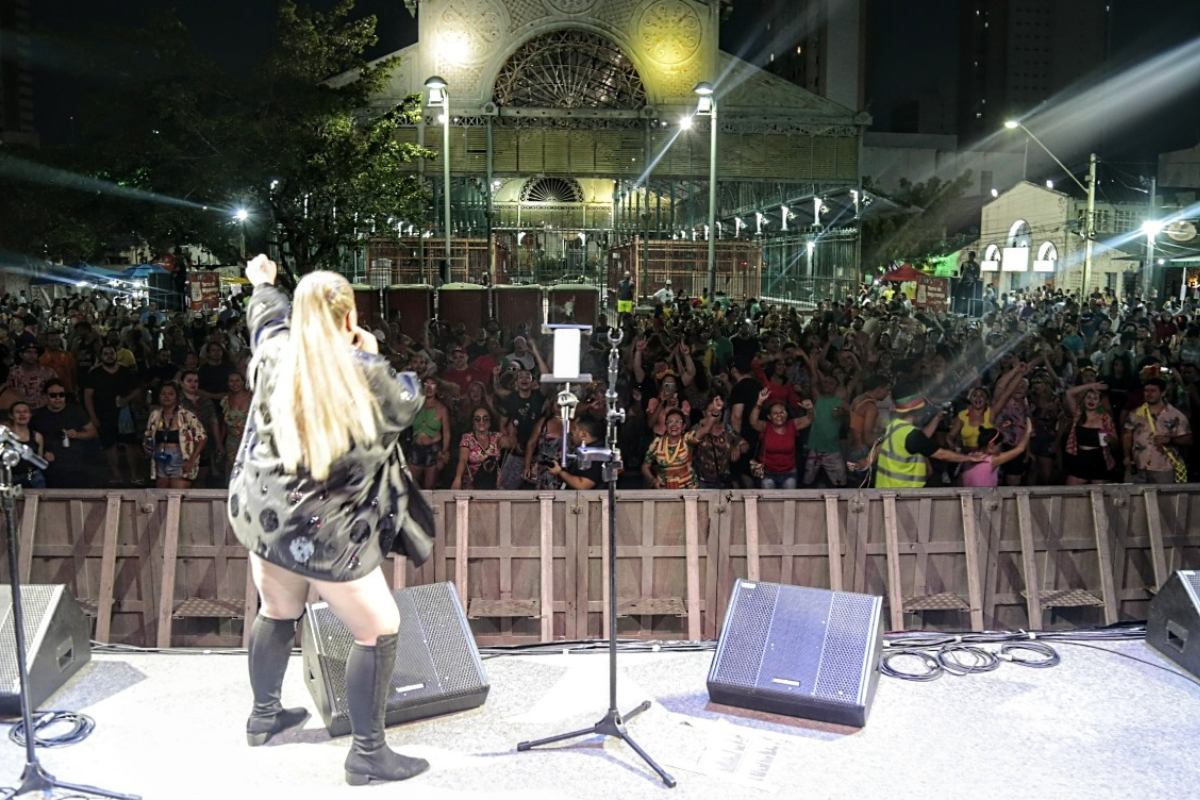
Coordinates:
<point>897,468</point>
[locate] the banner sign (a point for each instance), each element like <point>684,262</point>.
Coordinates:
<point>204,291</point>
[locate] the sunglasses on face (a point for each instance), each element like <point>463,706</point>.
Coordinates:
<point>56,394</point>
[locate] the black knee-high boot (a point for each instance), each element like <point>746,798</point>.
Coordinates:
<point>270,647</point>
<point>368,682</point>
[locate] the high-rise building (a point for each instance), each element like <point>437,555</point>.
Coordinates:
<point>816,44</point>
<point>16,74</point>
<point>1016,54</point>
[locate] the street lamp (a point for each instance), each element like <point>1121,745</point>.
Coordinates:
<point>438,95</point>
<point>1151,228</point>
<point>1090,189</point>
<point>708,105</point>
<point>241,215</point>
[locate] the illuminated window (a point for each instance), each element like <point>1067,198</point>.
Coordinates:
<point>569,69</point>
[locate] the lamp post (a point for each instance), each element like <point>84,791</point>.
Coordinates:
<point>1150,227</point>
<point>1090,189</point>
<point>708,105</point>
<point>241,215</point>
<point>438,95</point>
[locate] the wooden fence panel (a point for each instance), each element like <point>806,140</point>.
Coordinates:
<point>937,557</point>
<point>532,566</point>
<point>1005,605</point>
<point>1180,509</point>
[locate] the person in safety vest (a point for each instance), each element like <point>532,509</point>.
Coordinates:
<point>902,454</point>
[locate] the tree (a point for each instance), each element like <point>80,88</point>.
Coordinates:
<point>915,236</point>
<point>300,143</point>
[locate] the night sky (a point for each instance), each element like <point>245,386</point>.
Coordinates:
<point>910,45</point>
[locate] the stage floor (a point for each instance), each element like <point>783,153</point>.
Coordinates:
<point>1099,725</point>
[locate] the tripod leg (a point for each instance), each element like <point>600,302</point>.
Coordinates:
<point>645,705</point>
<point>35,779</point>
<point>523,746</point>
<point>666,777</point>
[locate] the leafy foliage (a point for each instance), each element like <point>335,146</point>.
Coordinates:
<point>915,237</point>
<point>299,144</point>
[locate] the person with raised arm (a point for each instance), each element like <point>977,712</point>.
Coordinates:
<point>320,494</point>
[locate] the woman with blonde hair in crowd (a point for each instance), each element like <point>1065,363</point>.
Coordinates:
<point>1088,456</point>
<point>320,494</point>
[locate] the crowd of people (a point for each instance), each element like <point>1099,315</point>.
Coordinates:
<point>1032,388</point>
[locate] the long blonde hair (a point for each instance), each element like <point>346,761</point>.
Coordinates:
<point>321,402</point>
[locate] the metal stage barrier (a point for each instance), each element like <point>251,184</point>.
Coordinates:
<point>162,568</point>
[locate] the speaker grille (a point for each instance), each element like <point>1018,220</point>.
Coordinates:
<point>846,648</point>
<point>800,651</point>
<point>1193,578</point>
<point>37,599</point>
<point>743,656</point>
<point>449,640</point>
<point>437,665</point>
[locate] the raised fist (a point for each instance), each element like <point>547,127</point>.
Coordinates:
<point>261,270</point>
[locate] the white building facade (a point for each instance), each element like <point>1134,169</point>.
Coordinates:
<point>1032,236</point>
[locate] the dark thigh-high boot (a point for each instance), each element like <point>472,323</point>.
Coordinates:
<point>368,683</point>
<point>270,647</point>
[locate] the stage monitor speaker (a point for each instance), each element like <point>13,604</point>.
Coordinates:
<point>799,651</point>
<point>57,643</point>
<point>438,670</point>
<point>1173,626</point>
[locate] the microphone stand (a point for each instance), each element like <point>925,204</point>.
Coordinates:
<point>34,778</point>
<point>613,723</point>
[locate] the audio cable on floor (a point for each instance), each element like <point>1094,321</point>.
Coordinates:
<point>80,725</point>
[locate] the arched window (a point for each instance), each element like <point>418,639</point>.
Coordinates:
<point>551,190</point>
<point>569,69</point>
<point>1047,257</point>
<point>1019,235</point>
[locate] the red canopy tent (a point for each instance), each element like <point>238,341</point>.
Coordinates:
<point>903,273</point>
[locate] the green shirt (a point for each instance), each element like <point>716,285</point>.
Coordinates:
<point>823,435</point>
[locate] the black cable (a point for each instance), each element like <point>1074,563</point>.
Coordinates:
<point>951,657</point>
<point>81,726</point>
<point>1049,656</point>
<point>1175,672</point>
<point>933,666</point>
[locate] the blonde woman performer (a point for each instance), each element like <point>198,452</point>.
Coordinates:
<point>319,493</point>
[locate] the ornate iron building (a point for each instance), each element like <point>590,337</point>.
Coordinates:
<point>568,158</point>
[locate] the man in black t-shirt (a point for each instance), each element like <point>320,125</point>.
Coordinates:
<point>161,370</point>
<point>522,408</point>
<point>67,430</point>
<point>585,432</point>
<point>108,389</point>
<point>742,400</point>
<point>214,372</point>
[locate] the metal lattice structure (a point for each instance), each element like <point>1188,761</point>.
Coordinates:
<point>551,190</point>
<point>569,69</point>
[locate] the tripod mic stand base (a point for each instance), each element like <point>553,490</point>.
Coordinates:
<point>613,725</point>
<point>36,779</point>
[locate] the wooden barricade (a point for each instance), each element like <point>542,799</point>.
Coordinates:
<point>205,573</point>
<point>102,545</point>
<point>512,557</point>
<point>666,573</point>
<point>161,568</point>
